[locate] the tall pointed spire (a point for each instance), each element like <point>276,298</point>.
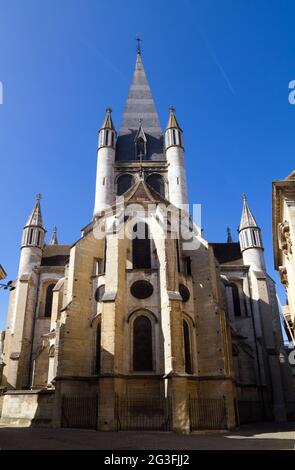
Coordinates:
<point>35,218</point>
<point>53,240</point>
<point>247,219</point>
<point>140,105</point>
<point>229,237</point>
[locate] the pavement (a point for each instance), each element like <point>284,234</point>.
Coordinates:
<point>264,436</point>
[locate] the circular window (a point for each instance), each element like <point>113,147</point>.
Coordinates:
<point>184,292</point>
<point>141,289</point>
<point>99,293</point>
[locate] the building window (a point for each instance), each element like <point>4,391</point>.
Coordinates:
<point>99,293</point>
<point>174,137</point>
<point>124,182</point>
<point>142,345</point>
<point>141,246</point>
<point>48,300</point>
<point>156,181</point>
<point>187,348</point>
<point>140,149</point>
<point>236,299</point>
<point>98,342</point>
<point>188,266</point>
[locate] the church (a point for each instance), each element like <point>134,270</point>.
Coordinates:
<point>142,323</point>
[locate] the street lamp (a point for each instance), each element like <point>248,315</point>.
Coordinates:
<point>7,286</point>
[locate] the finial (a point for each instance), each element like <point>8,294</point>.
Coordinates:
<point>171,109</point>
<point>244,197</point>
<point>38,196</point>
<point>140,121</point>
<point>138,44</point>
<point>229,237</point>
<point>109,110</point>
<point>53,240</point>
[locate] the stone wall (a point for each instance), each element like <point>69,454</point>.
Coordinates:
<point>27,408</point>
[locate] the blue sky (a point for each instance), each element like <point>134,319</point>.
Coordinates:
<point>224,64</point>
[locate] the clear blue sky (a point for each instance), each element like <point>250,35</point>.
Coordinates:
<point>224,64</point>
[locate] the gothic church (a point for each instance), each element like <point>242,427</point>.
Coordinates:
<point>124,332</point>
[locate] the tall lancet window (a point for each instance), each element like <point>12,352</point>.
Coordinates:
<point>98,342</point>
<point>48,300</point>
<point>141,246</point>
<point>140,149</point>
<point>142,344</point>
<point>187,348</point>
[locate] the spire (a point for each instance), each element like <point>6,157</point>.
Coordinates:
<point>53,240</point>
<point>35,218</point>
<point>229,237</point>
<point>172,121</point>
<point>140,105</point>
<point>247,219</point>
<point>108,122</point>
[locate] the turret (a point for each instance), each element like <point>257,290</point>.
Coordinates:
<point>32,240</point>
<point>250,239</point>
<point>175,158</point>
<point>105,160</point>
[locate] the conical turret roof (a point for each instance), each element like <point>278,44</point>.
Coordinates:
<point>247,219</point>
<point>35,218</point>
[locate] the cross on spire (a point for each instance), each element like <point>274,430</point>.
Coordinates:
<point>138,44</point>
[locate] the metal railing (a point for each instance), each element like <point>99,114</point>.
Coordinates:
<point>79,412</point>
<point>142,413</point>
<point>207,413</point>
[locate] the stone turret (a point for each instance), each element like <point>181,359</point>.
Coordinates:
<point>104,195</point>
<point>250,239</point>
<point>32,240</point>
<point>175,158</point>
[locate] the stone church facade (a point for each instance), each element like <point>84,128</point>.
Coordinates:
<point>139,327</point>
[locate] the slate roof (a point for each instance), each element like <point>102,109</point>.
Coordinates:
<point>228,253</point>
<point>55,255</point>
<point>140,105</point>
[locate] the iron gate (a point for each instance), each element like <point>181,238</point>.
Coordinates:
<point>207,413</point>
<point>79,412</point>
<point>142,413</point>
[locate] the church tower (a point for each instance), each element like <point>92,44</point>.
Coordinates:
<point>250,239</point>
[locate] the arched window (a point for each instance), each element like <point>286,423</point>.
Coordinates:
<point>156,181</point>
<point>141,246</point>
<point>142,344</point>
<point>48,300</point>
<point>187,348</point>
<point>124,182</point>
<point>98,341</point>
<point>236,299</point>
